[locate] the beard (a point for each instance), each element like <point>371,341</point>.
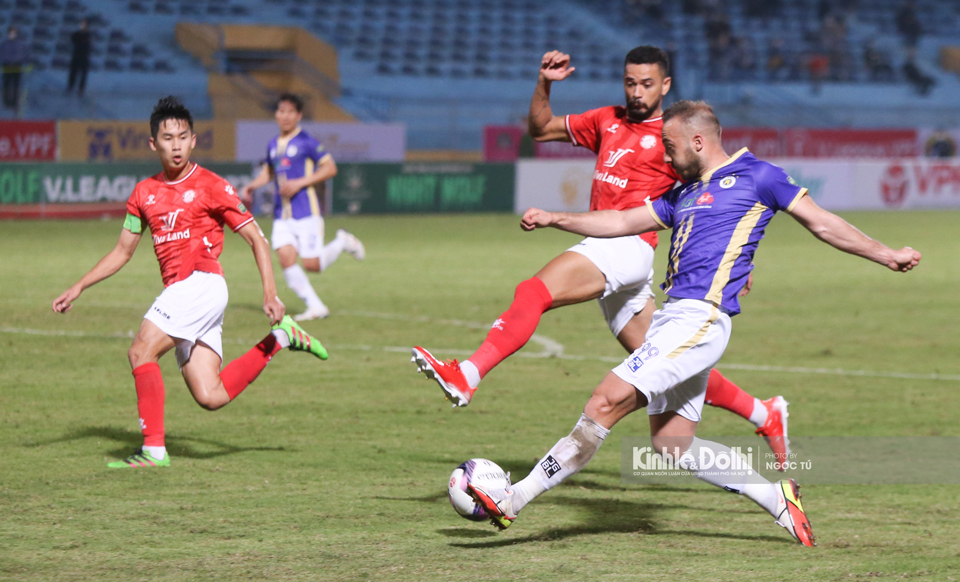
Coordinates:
<point>690,171</point>
<point>640,111</point>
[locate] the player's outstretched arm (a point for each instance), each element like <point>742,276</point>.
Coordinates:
<point>326,170</point>
<point>272,305</point>
<point>542,124</point>
<point>108,265</point>
<point>842,235</point>
<point>600,223</point>
<point>262,179</point>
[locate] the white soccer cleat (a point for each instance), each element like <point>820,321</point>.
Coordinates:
<point>320,312</point>
<point>352,245</point>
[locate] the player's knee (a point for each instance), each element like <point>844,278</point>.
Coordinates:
<point>138,355</point>
<point>209,400</point>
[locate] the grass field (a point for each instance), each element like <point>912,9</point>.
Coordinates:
<point>337,470</point>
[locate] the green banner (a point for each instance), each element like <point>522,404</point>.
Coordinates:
<point>53,183</point>
<point>423,187</point>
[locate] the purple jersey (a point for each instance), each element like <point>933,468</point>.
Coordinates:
<point>717,224</point>
<point>290,159</point>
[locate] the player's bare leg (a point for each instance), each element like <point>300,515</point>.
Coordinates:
<point>298,282</point>
<point>570,278</point>
<point>634,334</point>
<point>202,375</point>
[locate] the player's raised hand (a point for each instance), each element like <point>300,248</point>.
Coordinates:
<point>64,303</point>
<point>274,308</point>
<point>555,66</point>
<point>904,259</point>
<point>246,194</point>
<point>535,218</point>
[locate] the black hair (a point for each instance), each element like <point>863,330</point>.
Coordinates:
<point>168,108</point>
<point>649,55</point>
<point>292,99</point>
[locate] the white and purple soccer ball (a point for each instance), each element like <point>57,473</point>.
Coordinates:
<point>482,472</point>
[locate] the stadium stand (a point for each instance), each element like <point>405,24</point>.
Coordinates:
<point>449,67</point>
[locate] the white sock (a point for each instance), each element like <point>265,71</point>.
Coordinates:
<point>331,252</point>
<point>569,455</point>
<point>282,338</point>
<point>298,282</point>
<point>761,491</point>
<point>471,373</point>
<point>158,453</point>
<point>759,415</point>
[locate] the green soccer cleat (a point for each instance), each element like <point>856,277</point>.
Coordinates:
<point>140,460</point>
<point>300,340</point>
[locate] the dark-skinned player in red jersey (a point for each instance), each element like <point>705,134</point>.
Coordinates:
<point>185,208</point>
<point>618,272</point>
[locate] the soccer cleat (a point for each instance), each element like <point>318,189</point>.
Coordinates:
<point>497,504</point>
<point>790,514</point>
<point>320,312</point>
<point>140,460</point>
<point>448,376</point>
<point>774,431</point>
<point>352,245</point>
<point>300,340</point>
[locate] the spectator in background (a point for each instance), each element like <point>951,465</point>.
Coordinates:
<point>940,144</point>
<point>819,66</point>
<point>908,25</point>
<point>877,63</point>
<point>80,59</point>
<point>13,56</point>
<point>776,60</point>
<point>921,81</point>
<point>745,65</point>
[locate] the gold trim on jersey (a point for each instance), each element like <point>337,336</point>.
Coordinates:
<point>741,234</point>
<point>653,213</point>
<point>709,174</point>
<point>682,233</point>
<point>695,339</point>
<point>311,190</point>
<point>800,194</point>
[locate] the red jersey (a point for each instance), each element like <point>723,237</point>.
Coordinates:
<point>630,167</point>
<point>186,220</point>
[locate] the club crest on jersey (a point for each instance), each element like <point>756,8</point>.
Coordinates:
<point>613,128</point>
<point>188,196</point>
<point>614,157</point>
<point>728,182</point>
<point>291,151</point>
<point>705,198</point>
<point>648,141</point>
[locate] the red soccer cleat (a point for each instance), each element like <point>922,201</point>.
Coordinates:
<point>774,431</point>
<point>448,376</point>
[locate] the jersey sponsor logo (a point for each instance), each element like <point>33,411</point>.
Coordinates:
<point>159,239</point>
<point>608,178</point>
<point>705,198</point>
<point>613,128</point>
<point>188,196</point>
<point>648,141</point>
<point>285,163</point>
<point>728,182</point>
<point>550,466</point>
<point>614,157</point>
<point>170,220</point>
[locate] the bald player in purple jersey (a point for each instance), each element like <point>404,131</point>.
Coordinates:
<point>718,216</point>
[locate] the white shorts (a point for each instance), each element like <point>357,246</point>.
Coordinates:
<point>627,265</point>
<point>303,234</point>
<point>686,339</point>
<point>191,311</point>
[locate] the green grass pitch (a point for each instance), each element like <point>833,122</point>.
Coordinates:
<point>337,470</point>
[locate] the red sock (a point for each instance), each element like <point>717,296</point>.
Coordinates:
<point>515,326</point>
<point>727,395</point>
<point>241,372</point>
<point>150,395</point>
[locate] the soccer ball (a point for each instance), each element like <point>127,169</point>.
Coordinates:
<point>482,472</point>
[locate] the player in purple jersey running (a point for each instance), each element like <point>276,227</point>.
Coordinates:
<point>296,162</point>
<point>718,217</point>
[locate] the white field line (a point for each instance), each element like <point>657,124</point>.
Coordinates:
<point>545,353</point>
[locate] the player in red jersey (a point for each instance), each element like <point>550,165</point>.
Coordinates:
<point>618,272</point>
<point>185,208</point>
